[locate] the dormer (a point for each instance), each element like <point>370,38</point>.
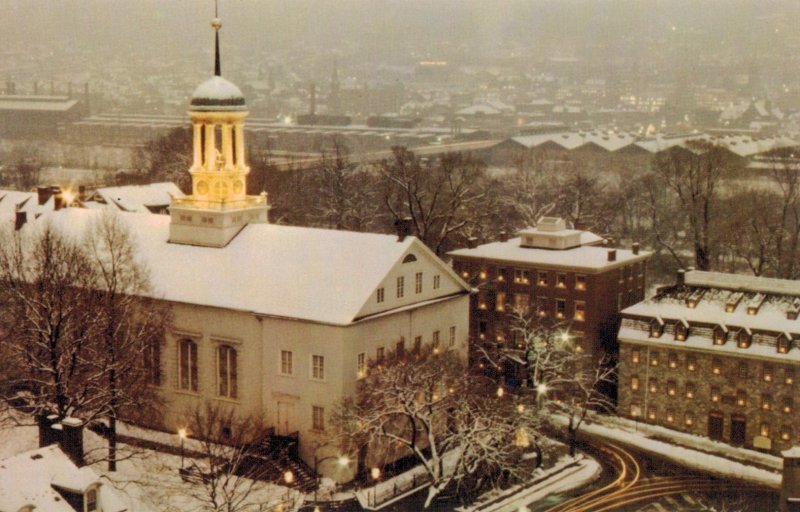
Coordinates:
<point>733,301</point>
<point>794,310</point>
<point>754,304</point>
<point>694,298</point>
<point>681,330</point>
<point>656,327</point>
<point>784,343</point>
<point>720,335</point>
<point>744,338</point>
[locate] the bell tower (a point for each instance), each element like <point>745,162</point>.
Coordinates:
<point>218,207</point>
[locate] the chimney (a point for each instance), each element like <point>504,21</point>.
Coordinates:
<point>403,228</point>
<point>612,255</point>
<point>680,277</point>
<point>635,247</point>
<point>44,194</point>
<point>72,439</point>
<point>504,236</point>
<point>472,242</point>
<point>47,435</point>
<point>312,107</point>
<point>20,219</point>
<point>58,200</point>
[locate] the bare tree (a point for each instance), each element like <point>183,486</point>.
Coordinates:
<point>130,328</point>
<point>47,320</point>
<point>429,406</point>
<point>225,472</point>
<point>438,194</point>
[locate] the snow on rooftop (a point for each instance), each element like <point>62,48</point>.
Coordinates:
<point>584,257</point>
<point>742,282</point>
<point>216,93</point>
<point>137,198</point>
<point>29,479</point>
<point>312,274</point>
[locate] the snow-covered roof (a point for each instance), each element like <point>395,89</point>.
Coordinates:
<point>478,109</point>
<point>40,103</point>
<point>312,274</point>
<point>139,198</point>
<point>586,257</point>
<point>610,141</point>
<point>34,477</point>
<point>13,200</point>
<point>216,93</point>
<point>742,282</point>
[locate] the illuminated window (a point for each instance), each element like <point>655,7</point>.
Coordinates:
<point>317,417</point>
<point>362,365</point>
<point>672,388</point>
<point>652,385</point>
<point>689,420</point>
<point>580,282</point>
<point>716,366</point>
<point>786,406</point>
<point>636,410</point>
<point>681,331</point>
<point>521,276</point>
<point>691,363</point>
<point>561,280</point>
<point>651,414</point>
<point>783,344</point>
<point>653,358</point>
<point>286,362</point>
<point>380,295</point>
<point>580,310</point>
<point>715,394</point>
<point>187,365</point>
<point>767,373</point>
<point>500,301</point>
<point>786,433</point>
<point>741,397</point>
<point>226,366</point>
<point>670,416</point>
<point>635,383</point>
<point>635,355</point>
<point>400,287</point>
<point>788,376</point>
<point>764,430</point>
<point>656,328</point>
<point>561,308</point>
<point>418,282</point>
<point>743,338</point>
<point>522,303</point>
<point>720,336</point>
<point>318,367</point>
<point>766,402</point>
<point>542,279</point>
<point>690,390</point>
<point>672,360</point>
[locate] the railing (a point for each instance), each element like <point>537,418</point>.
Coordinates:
<point>220,205</point>
<point>378,495</point>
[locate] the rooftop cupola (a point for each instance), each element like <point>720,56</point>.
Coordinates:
<point>550,233</point>
<point>218,207</point>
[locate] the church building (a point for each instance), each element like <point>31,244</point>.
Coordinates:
<point>276,321</point>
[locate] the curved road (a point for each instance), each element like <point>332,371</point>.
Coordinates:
<point>635,486</point>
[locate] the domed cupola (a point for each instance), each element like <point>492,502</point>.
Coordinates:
<point>218,206</point>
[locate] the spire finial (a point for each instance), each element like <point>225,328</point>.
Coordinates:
<point>216,24</point>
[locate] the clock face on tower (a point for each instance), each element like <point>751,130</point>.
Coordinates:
<point>202,188</point>
<point>238,187</point>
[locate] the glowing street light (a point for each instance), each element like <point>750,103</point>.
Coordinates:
<point>375,473</point>
<point>500,392</point>
<point>342,460</point>
<point>182,434</point>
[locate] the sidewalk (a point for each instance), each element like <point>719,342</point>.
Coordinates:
<point>696,452</point>
<point>569,473</point>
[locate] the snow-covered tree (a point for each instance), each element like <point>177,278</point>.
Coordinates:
<point>428,405</point>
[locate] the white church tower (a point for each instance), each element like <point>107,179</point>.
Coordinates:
<point>218,207</point>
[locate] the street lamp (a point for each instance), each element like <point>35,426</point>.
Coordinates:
<point>182,435</point>
<point>376,475</point>
<point>342,460</point>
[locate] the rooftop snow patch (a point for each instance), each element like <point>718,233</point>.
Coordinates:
<point>216,93</point>
<point>742,282</point>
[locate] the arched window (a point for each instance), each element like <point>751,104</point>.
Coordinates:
<point>226,366</point>
<point>409,258</point>
<point>187,365</point>
<point>91,500</point>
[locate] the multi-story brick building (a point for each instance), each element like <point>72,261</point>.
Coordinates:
<point>564,275</point>
<point>714,354</point>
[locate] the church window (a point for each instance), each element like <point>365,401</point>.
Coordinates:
<point>226,362</point>
<point>436,281</point>
<point>187,367</point>
<point>418,283</point>
<point>318,367</point>
<point>152,363</point>
<point>318,418</point>
<point>400,286</point>
<point>286,362</point>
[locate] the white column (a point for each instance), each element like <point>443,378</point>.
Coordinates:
<point>239,127</point>
<point>227,146</point>
<point>198,150</point>
<point>211,160</point>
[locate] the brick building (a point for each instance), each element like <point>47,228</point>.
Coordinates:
<point>714,355</point>
<point>563,275</point>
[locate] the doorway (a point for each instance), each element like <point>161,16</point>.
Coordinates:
<point>715,425</point>
<point>738,429</point>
